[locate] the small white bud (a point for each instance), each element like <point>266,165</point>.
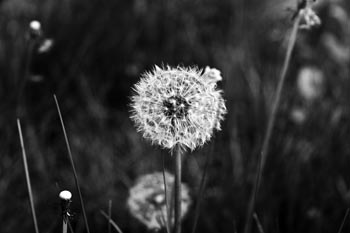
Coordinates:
<point>65,195</point>
<point>35,25</point>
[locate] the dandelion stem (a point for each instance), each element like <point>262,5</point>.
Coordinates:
<point>64,226</point>
<point>27,177</point>
<point>72,164</point>
<point>177,227</point>
<point>270,124</point>
<point>168,217</point>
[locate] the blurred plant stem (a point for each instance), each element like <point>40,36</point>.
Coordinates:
<point>270,125</point>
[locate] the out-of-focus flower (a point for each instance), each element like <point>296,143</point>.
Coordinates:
<point>298,115</point>
<point>146,200</point>
<point>310,82</point>
<point>177,106</point>
<point>45,46</point>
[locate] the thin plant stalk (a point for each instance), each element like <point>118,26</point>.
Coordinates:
<point>168,218</point>
<point>72,164</point>
<point>29,186</point>
<point>70,226</point>
<point>109,214</point>
<point>200,194</point>
<point>111,222</point>
<point>344,219</point>
<point>258,223</point>
<point>177,226</point>
<point>270,124</point>
<point>64,226</point>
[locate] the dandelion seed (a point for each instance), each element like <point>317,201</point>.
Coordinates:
<point>146,200</point>
<point>177,106</point>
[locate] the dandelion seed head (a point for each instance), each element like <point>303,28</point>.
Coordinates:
<point>177,106</point>
<point>146,200</point>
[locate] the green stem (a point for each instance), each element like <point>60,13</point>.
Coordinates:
<point>177,227</point>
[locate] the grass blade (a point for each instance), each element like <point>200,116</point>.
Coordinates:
<point>200,194</point>
<point>270,125</point>
<point>258,223</point>
<point>109,214</point>
<point>72,164</point>
<point>343,222</point>
<point>111,222</point>
<point>29,186</point>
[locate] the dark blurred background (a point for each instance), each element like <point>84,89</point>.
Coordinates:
<point>99,50</point>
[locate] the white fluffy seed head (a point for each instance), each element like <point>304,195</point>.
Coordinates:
<point>35,25</point>
<point>178,106</point>
<point>65,195</point>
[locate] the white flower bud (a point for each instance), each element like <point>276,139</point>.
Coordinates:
<point>65,195</point>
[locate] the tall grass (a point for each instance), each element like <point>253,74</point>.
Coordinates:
<point>270,124</point>
<point>26,170</point>
<point>72,165</point>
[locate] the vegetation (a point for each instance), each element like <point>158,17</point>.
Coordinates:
<point>99,51</point>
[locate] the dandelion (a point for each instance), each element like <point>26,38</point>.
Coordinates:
<point>178,106</point>
<point>146,200</point>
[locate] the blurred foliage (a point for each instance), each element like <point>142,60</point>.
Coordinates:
<point>99,51</point>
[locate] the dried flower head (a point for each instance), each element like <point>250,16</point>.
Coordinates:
<point>310,82</point>
<point>309,17</point>
<point>146,200</point>
<point>178,106</point>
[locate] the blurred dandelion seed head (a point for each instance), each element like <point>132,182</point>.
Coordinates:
<point>178,106</point>
<point>310,82</point>
<point>309,18</point>
<point>146,200</point>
